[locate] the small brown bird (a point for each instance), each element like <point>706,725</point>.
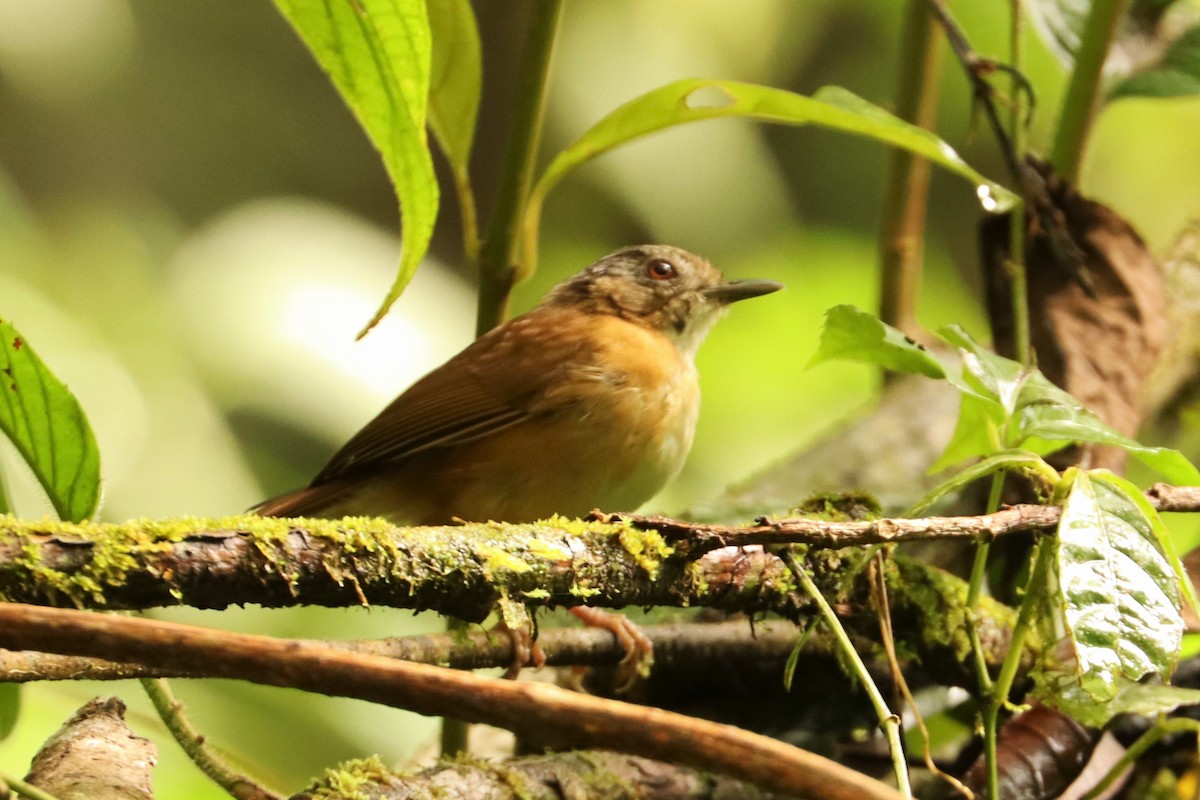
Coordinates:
<point>588,401</point>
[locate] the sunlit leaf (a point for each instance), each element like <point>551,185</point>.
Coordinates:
<point>377,53</point>
<point>1161,534</point>
<point>49,429</point>
<point>1176,75</point>
<point>986,373</point>
<point>455,79</point>
<point>854,335</point>
<point>695,99</point>
<point>1120,597</point>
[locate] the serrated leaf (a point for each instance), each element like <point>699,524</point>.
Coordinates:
<point>1120,598</point>
<point>456,77</point>
<point>378,53</point>
<point>1006,405</point>
<point>854,335</point>
<point>694,99</point>
<point>1176,75</point>
<point>45,422</point>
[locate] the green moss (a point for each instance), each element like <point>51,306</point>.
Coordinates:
<point>648,548</point>
<point>840,507</point>
<point>350,780</point>
<point>497,561</point>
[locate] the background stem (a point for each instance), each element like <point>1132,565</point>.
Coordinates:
<point>497,270</point>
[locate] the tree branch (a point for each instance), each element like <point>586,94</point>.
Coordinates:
<point>524,707</point>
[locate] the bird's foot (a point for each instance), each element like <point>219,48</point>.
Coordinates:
<point>639,650</point>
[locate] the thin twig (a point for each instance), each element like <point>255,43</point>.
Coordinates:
<point>171,712</point>
<point>524,707</point>
<point>24,789</point>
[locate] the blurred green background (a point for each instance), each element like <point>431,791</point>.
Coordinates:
<point>192,229</point>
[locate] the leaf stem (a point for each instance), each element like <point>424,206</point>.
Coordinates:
<point>906,192</point>
<point>887,720</point>
<point>1080,101</point>
<point>24,789</point>
<point>1135,751</point>
<point>170,710</point>
<point>497,270</point>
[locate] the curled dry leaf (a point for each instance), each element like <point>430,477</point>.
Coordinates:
<point>1097,308</point>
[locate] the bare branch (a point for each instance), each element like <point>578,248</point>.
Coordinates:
<point>526,708</point>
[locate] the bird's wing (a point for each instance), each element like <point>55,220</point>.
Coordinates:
<point>475,394</point>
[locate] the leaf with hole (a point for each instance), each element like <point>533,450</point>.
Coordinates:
<point>854,335</point>
<point>47,425</point>
<point>694,99</point>
<point>1119,593</point>
<point>378,54</point>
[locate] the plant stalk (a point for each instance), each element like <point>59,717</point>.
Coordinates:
<point>1081,102</point>
<point>906,192</point>
<point>497,254</point>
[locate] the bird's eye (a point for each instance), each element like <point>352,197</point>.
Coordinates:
<point>661,270</point>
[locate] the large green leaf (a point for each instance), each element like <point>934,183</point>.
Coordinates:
<point>48,427</point>
<point>456,76</point>
<point>1119,593</point>
<point>1176,75</point>
<point>694,99</point>
<point>378,54</point>
<point>851,334</point>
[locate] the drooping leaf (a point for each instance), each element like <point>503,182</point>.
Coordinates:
<point>1176,75</point>
<point>456,77</point>
<point>49,429</point>
<point>378,53</point>
<point>851,334</point>
<point>1120,596</point>
<point>1013,460</point>
<point>695,99</point>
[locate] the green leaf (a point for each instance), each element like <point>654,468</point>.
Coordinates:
<point>456,77</point>
<point>49,429</point>
<point>1014,460</point>
<point>1062,691</point>
<point>1009,406</point>
<point>694,99</point>
<point>1120,597</point>
<point>378,53</point>
<point>855,335</point>
<point>1161,534</point>
<point>1176,75</point>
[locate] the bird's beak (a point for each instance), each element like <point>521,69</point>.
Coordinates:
<point>740,290</point>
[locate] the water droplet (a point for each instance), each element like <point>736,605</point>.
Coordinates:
<point>987,198</point>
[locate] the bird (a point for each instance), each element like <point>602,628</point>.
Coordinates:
<point>587,401</point>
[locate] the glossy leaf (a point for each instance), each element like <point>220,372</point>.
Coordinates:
<point>49,429</point>
<point>695,99</point>
<point>378,53</point>
<point>1176,75</point>
<point>851,334</point>
<point>1120,598</point>
<point>456,77</point>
